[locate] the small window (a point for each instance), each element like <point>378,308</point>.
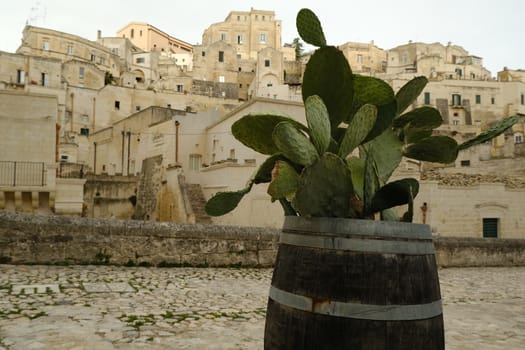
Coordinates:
<point>240,86</point>
<point>232,153</point>
<point>132,34</point>
<point>221,56</point>
<point>45,79</point>
<point>455,122</point>
<point>140,33</point>
<point>221,79</point>
<point>427,98</point>
<point>360,59</point>
<point>70,49</point>
<point>269,84</point>
<point>84,131</point>
<point>522,99</point>
<point>465,163</point>
<point>518,138</point>
<point>137,108</point>
<point>459,72</point>
<point>262,38</point>
<point>45,46</point>
<point>240,39</point>
<point>456,100</point>
<point>203,53</point>
<point>238,18</point>
<point>492,100</point>
<point>224,37</point>
<point>267,63</point>
<point>180,88</point>
<point>490,227</point>
<point>114,51</point>
<point>85,118</point>
<point>478,99</point>
<point>81,72</point>
<point>140,60</point>
<point>117,105</point>
<point>195,162</point>
<point>20,76</point>
<point>93,58</point>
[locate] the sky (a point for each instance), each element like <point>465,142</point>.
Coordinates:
<point>490,29</point>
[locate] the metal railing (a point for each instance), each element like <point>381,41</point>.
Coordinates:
<point>22,173</point>
<point>71,170</point>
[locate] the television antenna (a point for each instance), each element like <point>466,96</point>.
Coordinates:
<point>37,14</point>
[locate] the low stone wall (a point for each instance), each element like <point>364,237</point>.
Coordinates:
<point>57,240</point>
<point>75,240</point>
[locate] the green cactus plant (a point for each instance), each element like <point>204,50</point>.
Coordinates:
<point>313,170</point>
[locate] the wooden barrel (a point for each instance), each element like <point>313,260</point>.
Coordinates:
<point>354,284</point>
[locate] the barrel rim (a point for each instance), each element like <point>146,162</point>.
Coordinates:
<point>361,227</point>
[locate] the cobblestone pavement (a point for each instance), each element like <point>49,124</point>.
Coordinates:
<point>87,307</point>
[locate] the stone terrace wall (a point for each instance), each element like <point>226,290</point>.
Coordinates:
<point>58,239</point>
<point>74,240</point>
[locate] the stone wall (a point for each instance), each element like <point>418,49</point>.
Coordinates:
<point>59,239</point>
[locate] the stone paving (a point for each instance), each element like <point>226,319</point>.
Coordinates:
<point>88,307</point>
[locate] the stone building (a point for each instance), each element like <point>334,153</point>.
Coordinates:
<point>247,32</point>
<point>149,38</point>
<point>436,61</point>
<point>365,58</point>
<point>28,169</point>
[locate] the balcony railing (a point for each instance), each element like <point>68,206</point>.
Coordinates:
<point>71,170</point>
<point>22,173</point>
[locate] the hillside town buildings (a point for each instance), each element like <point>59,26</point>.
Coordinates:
<point>138,125</point>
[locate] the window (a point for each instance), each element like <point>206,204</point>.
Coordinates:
<point>221,56</point>
<point>85,118</point>
<point>224,37</point>
<point>456,100</point>
<point>117,105</point>
<point>455,122</point>
<point>221,78</point>
<point>114,50</point>
<point>180,88</point>
<point>137,108</point>
<point>102,60</point>
<point>478,99</point>
<point>269,84</point>
<point>203,53</point>
<point>465,163</point>
<point>492,100</point>
<point>490,227</point>
<point>238,18</point>
<point>45,45</point>
<point>360,59</point>
<point>84,131</point>
<point>140,33</point>
<point>262,38</point>
<point>518,138</point>
<point>20,76</point>
<point>405,58</point>
<point>140,60</point>
<point>240,86</point>
<point>132,34</point>
<point>215,144</point>
<point>70,49</point>
<point>81,72</point>
<point>459,72</point>
<point>93,58</point>
<point>522,99</point>
<point>45,79</point>
<point>264,17</point>
<point>427,98</point>
<point>195,162</point>
<point>240,39</point>
<point>267,63</point>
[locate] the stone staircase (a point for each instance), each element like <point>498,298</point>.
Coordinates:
<point>197,201</point>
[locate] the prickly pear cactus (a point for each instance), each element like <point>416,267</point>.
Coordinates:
<point>339,164</point>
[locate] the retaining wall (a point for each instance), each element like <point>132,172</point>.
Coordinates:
<point>75,240</point>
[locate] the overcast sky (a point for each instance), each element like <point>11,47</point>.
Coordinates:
<point>491,29</point>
